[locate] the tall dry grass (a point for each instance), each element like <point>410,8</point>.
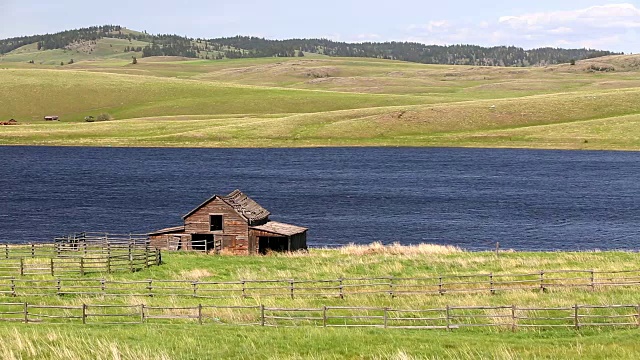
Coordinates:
<point>20,344</point>
<point>398,249</point>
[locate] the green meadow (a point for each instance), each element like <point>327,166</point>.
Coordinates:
<point>182,340</point>
<point>316,101</point>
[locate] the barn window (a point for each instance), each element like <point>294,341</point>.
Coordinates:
<point>215,222</point>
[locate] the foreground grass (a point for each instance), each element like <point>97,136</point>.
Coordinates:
<point>322,102</point>
<point>191,341</point>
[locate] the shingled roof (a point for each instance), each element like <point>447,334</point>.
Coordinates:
<point>280,228</point>
<point>241,203</point>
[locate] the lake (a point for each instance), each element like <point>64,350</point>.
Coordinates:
<point>473,198</point>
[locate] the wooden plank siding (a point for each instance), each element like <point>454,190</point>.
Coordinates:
<point>232,224</point>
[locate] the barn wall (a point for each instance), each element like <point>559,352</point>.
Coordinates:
<point>159,241</point>
<point>299,241</point>
<point>162,241</point>
<point>253,239</point>
<point>234,227</point>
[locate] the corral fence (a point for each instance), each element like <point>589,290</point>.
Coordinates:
<point>542,281</point>
<point>81,253</point>
<point>509,317</point>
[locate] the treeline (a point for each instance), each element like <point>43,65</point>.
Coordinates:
<point>252,47</point>
<point>61,39</point>
<point>408,51</point>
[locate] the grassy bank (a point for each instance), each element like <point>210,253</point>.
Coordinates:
<point>176,342</point>
<point>322,102</point>
<point>191,341</point>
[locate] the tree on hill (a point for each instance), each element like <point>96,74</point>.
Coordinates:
<point>254,47</point>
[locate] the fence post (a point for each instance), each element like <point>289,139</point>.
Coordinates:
<point>341,294</point>
<point>130,259</point>
<point>244,289</point>
<point>291,287</point>
<point>385,317</point>
<point>261,314</point>
<point>324,316</point>
<point>593,281</point>
<point>195,288</point>
<point>440,291</point>
<point>6,251</point>
<point>150,287</point>
<point>103,286</point>
<point>58,286</point>
<point>200,314</point>
<point>52,273</point>
<point>84,313</point>
<point>491,289</point>
<point>81,266</point>
<point>542,281</point>
<point>638,315</point>
<point>513,318</point>
<point>141,313</point>
<point>575,317</point>
<point>33,251</point>
<point>448,318</point>
<point>13,287</point>
<point>21,266</point>
<point>146,256</point>
<point>391,287</point>
<point>26,312</point>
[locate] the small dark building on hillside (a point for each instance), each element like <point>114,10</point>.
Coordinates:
<point>233,223</point>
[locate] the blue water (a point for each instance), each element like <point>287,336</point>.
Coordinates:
<point>525,199</point>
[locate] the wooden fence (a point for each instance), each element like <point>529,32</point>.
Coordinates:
<point>78,255</point>
<point>79,265</point>
<point>386,286</point>
<point>509,317</point>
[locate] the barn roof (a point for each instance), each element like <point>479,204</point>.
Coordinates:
<point>168,230</point>
<point>280,228</point>
<point>241,203</point>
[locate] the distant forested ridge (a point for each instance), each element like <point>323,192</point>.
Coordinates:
<point>253,47</point>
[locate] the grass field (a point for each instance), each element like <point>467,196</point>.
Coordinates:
<point>319,101</point>
<point>192,341</point>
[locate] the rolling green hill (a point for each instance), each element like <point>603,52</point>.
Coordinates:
<point>317,101</point>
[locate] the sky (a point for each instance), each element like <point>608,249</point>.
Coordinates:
<point>600,24</point>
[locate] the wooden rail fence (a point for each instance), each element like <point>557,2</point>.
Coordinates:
<point>345,287</point>
<point>79,254</point>
<point>509,317</point>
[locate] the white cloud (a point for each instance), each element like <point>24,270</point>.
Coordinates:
<point>612,15</point>
<point>561,30</point>
<point>608,27</point>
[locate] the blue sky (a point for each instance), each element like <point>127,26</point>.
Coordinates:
<point>610,25</point>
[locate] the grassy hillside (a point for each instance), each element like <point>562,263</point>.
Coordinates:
<point>106,48</point>
<point>322,102</point>
<point>192,341</point>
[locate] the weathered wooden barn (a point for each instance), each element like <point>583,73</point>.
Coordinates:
<point>234,223</point>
